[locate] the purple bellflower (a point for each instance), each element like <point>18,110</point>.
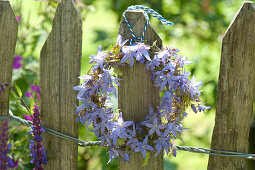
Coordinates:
<point>156,126</point>
<point>155,62</point>
<point>142,147</point>
<point>99,59</point>
<point>162,143</point>
<point>119,41</point>
<point>142,52</point>
<point>183,61</point>
<point>119,128</point>
<point>194,85</point>
<point>129,54</point>
<point>163,55</point>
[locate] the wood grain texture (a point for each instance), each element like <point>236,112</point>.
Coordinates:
<point>136,91</point>
<point>236,90</point>
<point>8,37</point>
<point>59,70</point>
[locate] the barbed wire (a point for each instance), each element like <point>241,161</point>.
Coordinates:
<point>82,143</point>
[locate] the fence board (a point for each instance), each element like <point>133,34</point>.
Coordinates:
<point>236,90</point>
<point>59,70</point>
<point>8,37</point>
<point>136,91</point>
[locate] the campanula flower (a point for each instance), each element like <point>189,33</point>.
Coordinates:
<point>143,146</point>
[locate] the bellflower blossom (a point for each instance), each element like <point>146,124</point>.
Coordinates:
<point>129,54</point>
<point>143,146</point>
<point>38,153</point>
<point>162,143</point>
<point>154,127</point>
<point>98,59</point>
<point>194,85</point>
<point>119,41</point>
<point>142,52</point>
<point>155,62</point>
<point>119,128</point>
<point>163,55</point>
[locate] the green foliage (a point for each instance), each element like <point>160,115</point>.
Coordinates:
<point>198,30</point>
<point>19,93</point>
<point>147,158</point>
<point>21,108</point>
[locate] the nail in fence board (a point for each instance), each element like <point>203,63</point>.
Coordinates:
<point>59,70</point>
<point>136,91</point>
<point>236,90</point>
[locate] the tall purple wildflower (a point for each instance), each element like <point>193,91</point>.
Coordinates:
<point>38,153</point>
<point>35,92</point>
<point>17,64</point>
<point>5,160</point>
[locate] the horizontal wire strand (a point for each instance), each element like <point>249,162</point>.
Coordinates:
<point>82,143</point>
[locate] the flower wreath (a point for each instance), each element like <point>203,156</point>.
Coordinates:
<point>160,127</point>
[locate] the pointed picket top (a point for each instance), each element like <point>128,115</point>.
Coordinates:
<point>8,37</point>
<point>236,90</point>
<point>247,10</point>
<point>60,63</point>
<point>137,21</point>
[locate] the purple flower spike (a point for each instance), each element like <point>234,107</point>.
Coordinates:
<point>5,160</point>
<point>38,153</point>
<point>17,64</point>
<point>27,117</point>
<point>29,94</point>
<point>35,92</point>
<point>33,86</point>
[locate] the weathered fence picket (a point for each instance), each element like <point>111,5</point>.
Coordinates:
<point>8,38</point>
<point>236,90</point>
<point>59,70</point>
<point>136,91</point>
<point>60,67</point>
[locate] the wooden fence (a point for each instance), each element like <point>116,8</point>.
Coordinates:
<point>60,62</point>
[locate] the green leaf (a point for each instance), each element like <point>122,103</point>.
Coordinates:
<point>18,90</point>
<point>21,108</point>
<point>14,95</point>
<point>118,72</point>
<point>147,158</point>
<point>120,142</point>
<point>32,103</point>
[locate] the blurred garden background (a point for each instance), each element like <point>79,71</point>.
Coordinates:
<point>198,31</point>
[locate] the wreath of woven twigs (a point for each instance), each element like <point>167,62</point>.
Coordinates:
<point>162,125</point>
